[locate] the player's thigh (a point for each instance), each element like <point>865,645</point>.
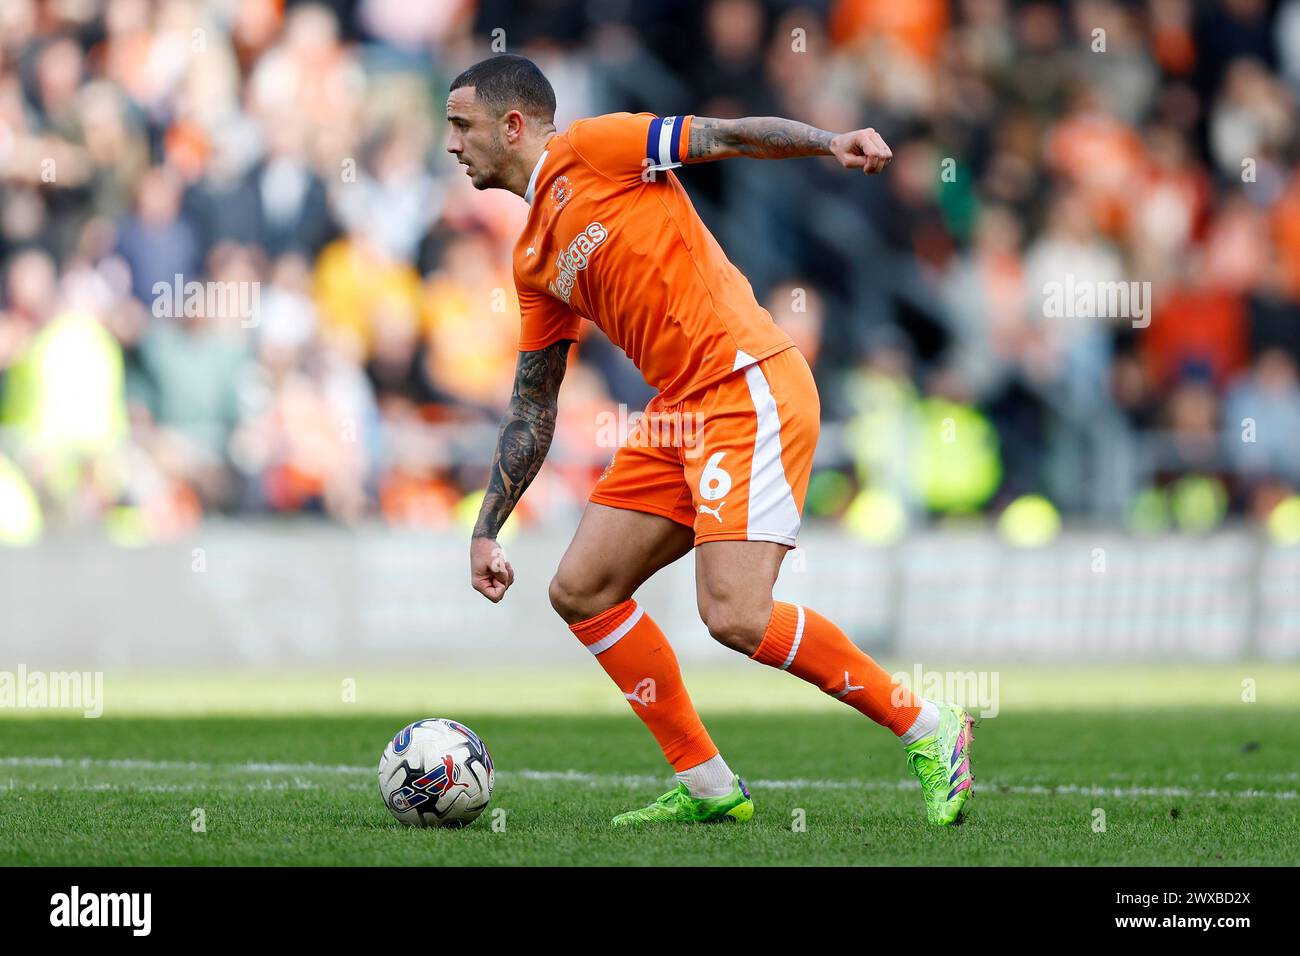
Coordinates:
<point>749,476</point>
<point>612,554</point>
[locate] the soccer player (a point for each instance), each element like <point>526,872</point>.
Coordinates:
<point>612,237</point>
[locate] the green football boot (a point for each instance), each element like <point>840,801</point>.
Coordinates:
<point>942,763</point>
<point>678,806</point>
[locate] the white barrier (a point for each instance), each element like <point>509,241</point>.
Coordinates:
<point>267,596</point>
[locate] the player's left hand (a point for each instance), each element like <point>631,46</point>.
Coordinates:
<point>862,149</point>
<point>489,571</point>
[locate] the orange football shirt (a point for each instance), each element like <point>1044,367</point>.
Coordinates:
<point>613,237</point>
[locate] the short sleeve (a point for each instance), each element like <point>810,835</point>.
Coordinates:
<point>622,146</point>
<point>544,320</point>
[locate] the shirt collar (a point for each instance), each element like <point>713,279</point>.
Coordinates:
<point>532,180</point>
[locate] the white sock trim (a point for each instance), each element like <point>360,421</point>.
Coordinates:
<point>616,635</point>
<point>926,723</point>
<point>713,778</point>
<point>798,636</point>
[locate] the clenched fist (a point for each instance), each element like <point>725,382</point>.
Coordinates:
<point>489,571</point>
<point>862,149</point>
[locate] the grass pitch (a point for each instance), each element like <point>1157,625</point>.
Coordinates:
<point>1186,773</point>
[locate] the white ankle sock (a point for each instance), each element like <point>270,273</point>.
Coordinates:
<point>927,723</point>
<point>713,778</point>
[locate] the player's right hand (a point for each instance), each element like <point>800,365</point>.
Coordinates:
<point>489,571</point>
<point>862,149</point>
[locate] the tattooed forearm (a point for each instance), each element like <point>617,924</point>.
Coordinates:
<point>525,434</point>
<point>759,137</point>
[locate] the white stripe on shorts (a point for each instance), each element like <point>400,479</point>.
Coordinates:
<point>773,514</point>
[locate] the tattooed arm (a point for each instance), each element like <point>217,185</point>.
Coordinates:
<point>770,137</point>
<point>522,443</point>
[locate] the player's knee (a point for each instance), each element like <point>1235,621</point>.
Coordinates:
<point>734,626</point>
<point>576,601</point>
<point>565,599</point>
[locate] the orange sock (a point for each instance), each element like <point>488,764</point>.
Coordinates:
<point>635,653</point>
<point>801,641</point>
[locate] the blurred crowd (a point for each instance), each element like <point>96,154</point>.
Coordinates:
<point>240,275</point>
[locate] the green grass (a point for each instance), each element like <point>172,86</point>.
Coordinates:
<point>1213,783</point>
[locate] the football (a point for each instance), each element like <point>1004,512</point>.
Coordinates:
<point>435,773</point>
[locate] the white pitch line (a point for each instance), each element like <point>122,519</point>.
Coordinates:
<point>575,776</point>
<point>95,763</point>
<point>628,781</point>
<point>265,785</point>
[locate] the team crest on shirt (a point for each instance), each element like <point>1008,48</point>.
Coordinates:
<point>561,192</point>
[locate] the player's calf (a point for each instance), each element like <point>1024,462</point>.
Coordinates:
<point>638,658</point>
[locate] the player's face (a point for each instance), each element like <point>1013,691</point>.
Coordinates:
<point>475,138</point>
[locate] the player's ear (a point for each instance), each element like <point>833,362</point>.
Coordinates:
<point>515,125</point>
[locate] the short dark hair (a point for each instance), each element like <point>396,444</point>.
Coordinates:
<point>507,82</point>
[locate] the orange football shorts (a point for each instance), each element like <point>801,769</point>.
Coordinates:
<point>731,461</point>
